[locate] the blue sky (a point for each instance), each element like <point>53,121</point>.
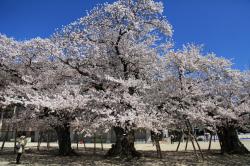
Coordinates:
<point>223,26</point>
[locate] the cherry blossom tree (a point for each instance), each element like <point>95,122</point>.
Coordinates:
<point>179,91</point>
<point>40,76</point>
<point>206,91</point>
<point>121,41</point>
<point>226,103</point>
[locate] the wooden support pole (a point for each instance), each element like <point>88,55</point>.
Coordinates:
<point>210,140</point>
<point>194,138</point>
<point>186,142</point>
<point>157,151</point>
<point>195,152</point>
<point>94,144</point>
<point>191,139</point>
<point>199,147</point>
<point>1,125</point>
<point>1,120</point>
<point>101,143</point>
<point>15,129</point>
<point>178,145</point>
<point>48,137</point>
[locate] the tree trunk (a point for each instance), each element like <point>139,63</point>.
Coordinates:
<point>158,147</point>
<point>15,140</point>
<point>77,140</point>
<point>180,136</point>
<point>39,140</point>
<point>84,143</point>
<point>64,142</point>
<point>124,146</point>
<point>186,143</point>
<point>230,142</point>
<point>5,137</point>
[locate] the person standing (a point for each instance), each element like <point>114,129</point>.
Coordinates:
<point>21,142</point>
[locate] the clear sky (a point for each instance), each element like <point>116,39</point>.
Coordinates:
<point>223,26</point>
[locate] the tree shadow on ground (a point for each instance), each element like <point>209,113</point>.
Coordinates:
<point>149,158</point>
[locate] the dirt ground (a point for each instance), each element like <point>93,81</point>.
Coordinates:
<point>149,157</point>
